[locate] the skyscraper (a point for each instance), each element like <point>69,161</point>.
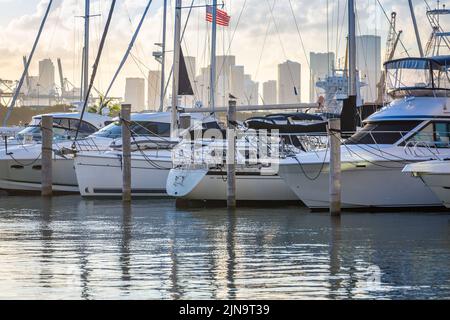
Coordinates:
<point>154,90</point>
<point>270,92</point>
<point>368,62</point>
<point>289,83</point>
<point>135,93</point>
<point>251,90</point>
<point>322,64</point>
<point>237,82</point>
<point>46,81</point>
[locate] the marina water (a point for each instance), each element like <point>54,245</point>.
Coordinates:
<point>71,248</point>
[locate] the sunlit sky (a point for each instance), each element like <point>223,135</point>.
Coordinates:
<point>262,34</point>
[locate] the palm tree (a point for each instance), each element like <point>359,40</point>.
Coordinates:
<point>113,107</point>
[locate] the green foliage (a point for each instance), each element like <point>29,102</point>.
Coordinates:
<point>112,106</point>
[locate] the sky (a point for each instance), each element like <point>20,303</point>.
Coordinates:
<point>262,34</point>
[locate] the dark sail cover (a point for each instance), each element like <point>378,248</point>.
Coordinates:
<point>184,84</point>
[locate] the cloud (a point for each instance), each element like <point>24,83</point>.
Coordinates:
<point>251,20</point>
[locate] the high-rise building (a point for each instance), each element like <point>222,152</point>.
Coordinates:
<point>237,81</point>
<point>202,86</point>
<point>289,83</point>
<point>135,93</point>
<point>270,92</point>
<point>251,90</point>
<point>46,81</point>
<point>368,62</point>
<point>321,65</point>
<point>154,90</point>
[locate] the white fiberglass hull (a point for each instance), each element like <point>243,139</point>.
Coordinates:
<point>434,174</point>
<point>100,174</point>
<point>20,171</point>
<point>373,183</point>
<point>212,186</point>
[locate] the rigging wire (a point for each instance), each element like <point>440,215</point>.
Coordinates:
<point>94,71</point>
<point>282,46</point>
<point>130,47</point>
<point>389,21</point>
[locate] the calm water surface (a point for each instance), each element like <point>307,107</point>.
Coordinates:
<point>68,248</point>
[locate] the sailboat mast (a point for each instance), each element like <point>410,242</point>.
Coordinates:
<point>86,48</point>
<point>27,66</point>
<point>176,67</point>
<point>163,57</point>
<point>352,48</point>
<point>212,80</point>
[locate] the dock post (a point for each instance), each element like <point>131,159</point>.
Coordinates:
<point>335,166</point>
<point>231,155</point>
<point>125,115</point>
<point>46,156</point>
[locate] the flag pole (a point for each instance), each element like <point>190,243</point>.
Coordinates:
<point>212,82</point>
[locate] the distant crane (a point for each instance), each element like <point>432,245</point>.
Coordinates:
<point>391,45</point>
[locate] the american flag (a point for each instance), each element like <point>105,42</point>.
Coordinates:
<point>222,18</point>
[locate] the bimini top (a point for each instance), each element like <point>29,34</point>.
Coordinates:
<point>436,62</point>
<point>426,77</point>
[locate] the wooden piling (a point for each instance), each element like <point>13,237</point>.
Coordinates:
<point>125,115</point>
<point>46,157</point>
<point>335,166</point>
<point>231,155</point>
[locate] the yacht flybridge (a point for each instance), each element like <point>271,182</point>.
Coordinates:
<point>413,127</point>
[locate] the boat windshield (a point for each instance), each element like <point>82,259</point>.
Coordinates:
<point>139,128</point>
<point>425,77</point>
<point>63,129</point>
<point>383,132</point>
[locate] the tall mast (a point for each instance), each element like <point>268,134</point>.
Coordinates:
<point>352,48</point>
<point>87,14</point>
<point>176,67</point>
<point>163,57</point>
<point>416,30</point>
<point>212,80</point>
<point>27,66</point>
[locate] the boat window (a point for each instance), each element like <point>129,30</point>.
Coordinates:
<point>435,134</point>
<point>386,132</point>
<point>425,76</point>
<point>141,128</point>
<point>211,125</point>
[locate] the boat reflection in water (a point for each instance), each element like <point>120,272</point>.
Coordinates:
<point>72,248</point>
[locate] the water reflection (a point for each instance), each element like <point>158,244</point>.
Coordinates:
<point>69,248</point>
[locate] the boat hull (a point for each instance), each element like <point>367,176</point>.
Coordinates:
<point>434,174</point>
<point>213,186</point>
<point>376,184</point>
<point>25,175</point>
<point>101,175</point>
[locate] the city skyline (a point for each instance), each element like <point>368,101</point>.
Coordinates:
<point>63,37</point>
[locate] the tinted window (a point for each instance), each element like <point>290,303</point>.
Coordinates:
<point>388,132</point>
<point>434,134</point>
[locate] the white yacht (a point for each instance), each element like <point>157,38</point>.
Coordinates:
<point>435,174</point>
<point>200,176</point>
<point>99,174</point>
<point>412,128</point>
<point>20,157</point>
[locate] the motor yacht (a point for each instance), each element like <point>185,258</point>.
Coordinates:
<point>412,128</point>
